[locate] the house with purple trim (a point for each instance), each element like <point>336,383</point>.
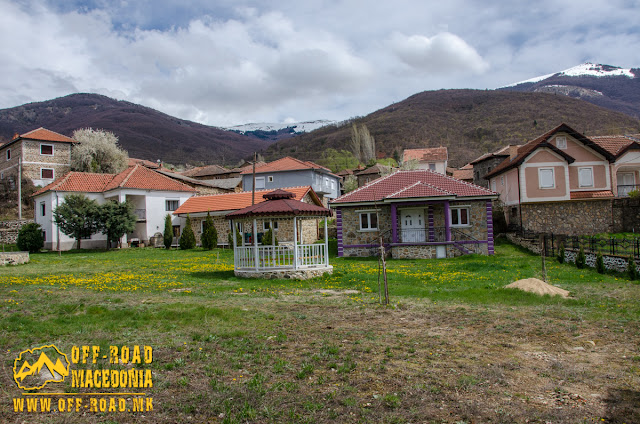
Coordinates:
<point>416,214</point>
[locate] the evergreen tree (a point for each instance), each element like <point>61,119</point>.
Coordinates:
<point>115,220</point>
<point>209,234</point>
<point>561,254</point>
<point>266,238</point>
<point>30,238</point>
<point>77,217</point>
<point>600,263</point>
<point>168,232</point>
<point>632,270</point>
<point>581,259</point>
<point>188,238</point>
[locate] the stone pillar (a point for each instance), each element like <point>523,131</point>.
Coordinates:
<point>447,221</point>
<point>394,223</point>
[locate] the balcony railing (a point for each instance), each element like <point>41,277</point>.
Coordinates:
<point>278,257</point>
<point>624,189</point>
<point>141,214</point>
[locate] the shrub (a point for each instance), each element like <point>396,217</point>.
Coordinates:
<point>632,270</point>
<point>266,238</point>
<point>561,257</point>
<point>634,194</point>
<point>581,259</point>
<point>600,263</point>
<point>209,234</point>
<point>168,232</point>
<point>238,239</point>
<point>187,239</point>
<point>30,238</point>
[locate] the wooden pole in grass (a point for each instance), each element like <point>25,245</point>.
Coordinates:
<point>542,255</point>
<point>384,273</point>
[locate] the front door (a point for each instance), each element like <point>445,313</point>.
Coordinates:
<point>413,228</point>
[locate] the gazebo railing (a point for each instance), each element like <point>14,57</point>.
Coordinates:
<point>274,257</point>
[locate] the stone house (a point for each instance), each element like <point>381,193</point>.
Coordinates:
<point>486,163</point>
<point>152,194</point>
<point>371,173</point>
<point>418,214</point>
<point>564,182</point>
<point>290,172</point>
<point>431,158</point>
<point>218,206</point>
<point>43,155</point>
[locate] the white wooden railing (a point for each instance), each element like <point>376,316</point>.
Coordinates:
<point>273,257</point>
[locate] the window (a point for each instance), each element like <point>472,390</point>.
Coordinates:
<point>502,180</point>
<point>326,182</point>
<point>43,209</point>
<point>561,142</point>
<point>546,178</point>
<point>493,185</point>
<point>46,173</point>
<point>172,205</point>
<point>432,167</point>
<point>585,177</point>
<point>8,154</point>
<point>459,217</point>
<point>46,149</point>
<point>1,175</point>
<point>44,235</point>
<point>259,183</point>
<point>333,184</point>
<point>368,221</point>
<point>267,225</point>
<point>176,231</point>
<point>270,178</point>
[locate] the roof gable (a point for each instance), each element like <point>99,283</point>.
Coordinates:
<point>428,154</point>
<point>287,163</point>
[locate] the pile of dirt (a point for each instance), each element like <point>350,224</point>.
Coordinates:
<point>537,286</point>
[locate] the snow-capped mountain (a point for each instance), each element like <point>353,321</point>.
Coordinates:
<point>608,86</point>
<point>297,127</point>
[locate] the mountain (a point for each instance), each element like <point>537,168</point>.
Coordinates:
<point>468,122</point>
<point>144,132</point>
<point>278,131</point>
<point>55,371</point>
<point>603,85</point>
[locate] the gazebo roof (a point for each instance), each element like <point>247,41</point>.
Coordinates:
<point>280,203</point>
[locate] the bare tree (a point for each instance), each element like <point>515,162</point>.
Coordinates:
<point>367,145</point>
<point>97,151</point>
<point>355,142</point>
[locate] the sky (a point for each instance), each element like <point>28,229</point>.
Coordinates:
<point>231,62</point>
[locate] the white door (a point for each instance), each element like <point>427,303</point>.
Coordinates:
<point>626,183</point>
<point>413,226</point>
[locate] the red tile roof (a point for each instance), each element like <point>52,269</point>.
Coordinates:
<point>278,203</point>
<point>591,194</point>
<point>430,154</point>
<point>43,134</point>
<point>614,144</point>
<point>287,163</point>
<point>143,162</point>
<point>463,173</point>
<point>375,169</point>
<point>204,171</point>
<point>135,177</point>
<point>411,184</point>
<point>235,201</point>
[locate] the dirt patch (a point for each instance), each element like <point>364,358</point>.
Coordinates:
<point>534,285</point>
<point>330,292</point>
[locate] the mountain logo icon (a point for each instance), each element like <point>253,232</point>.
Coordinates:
<point>34,368</point>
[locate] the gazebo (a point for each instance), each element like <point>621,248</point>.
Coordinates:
<point>291,258</point>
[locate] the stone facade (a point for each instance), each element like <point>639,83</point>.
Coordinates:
<point>299,274</point>
<point>482,168</point>
<point>33,162</point>
<point>9,230</point>
<point>577,217</point>
<point>357,243</point>
<point>626,215</point>
<point>14,258</point>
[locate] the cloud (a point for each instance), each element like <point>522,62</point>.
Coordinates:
<point>442,53</point>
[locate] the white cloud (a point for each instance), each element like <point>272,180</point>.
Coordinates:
<point>442,53</point>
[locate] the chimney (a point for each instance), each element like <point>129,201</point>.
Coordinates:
<point>16,135</point>
<point>513,151</point>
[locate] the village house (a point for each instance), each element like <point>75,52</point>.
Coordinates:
<point>42,155</point>
<point>564,182</point>
<point>291,172</point>
<point>417,214</point>
<point>432,158</point>
<point>152,194</point>
<point>218,206</point>
<point>371,173</point>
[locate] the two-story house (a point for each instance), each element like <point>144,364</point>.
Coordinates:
<point>42,155</point>
<point>564,181</point>
<point>291,172</point>
<point>431,158</point>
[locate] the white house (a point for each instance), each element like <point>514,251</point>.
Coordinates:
<point>153,195</point>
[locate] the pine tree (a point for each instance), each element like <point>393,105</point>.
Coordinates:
<point>581,259</point>
<point>561,254</point>
<point>600,263</point>
<point>266,238</point>
<point>209,234</point>
<point>168,232</point>
<point>188,238</point>
<point>632,270</point>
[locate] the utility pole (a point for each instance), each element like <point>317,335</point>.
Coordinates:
<point>253,187</point>
<point>20,186</point>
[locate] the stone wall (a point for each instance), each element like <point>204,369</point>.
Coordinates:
<point>351,234</point>
<point>577,217</point>
<point>300,274</point>
<point>14,258</point>
<point>611,262</point>
<point>59,162</point>
<point>9,230</point>
<point>626,215</point>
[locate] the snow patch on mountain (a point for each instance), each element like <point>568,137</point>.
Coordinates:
<point>298,127</point>
<point>585,69</point>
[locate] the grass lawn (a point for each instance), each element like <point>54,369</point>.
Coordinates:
<point>454,346</point>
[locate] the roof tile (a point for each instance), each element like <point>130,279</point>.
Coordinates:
<point>428,154</point>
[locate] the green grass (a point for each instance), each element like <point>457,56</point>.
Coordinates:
<point>236,350</point>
